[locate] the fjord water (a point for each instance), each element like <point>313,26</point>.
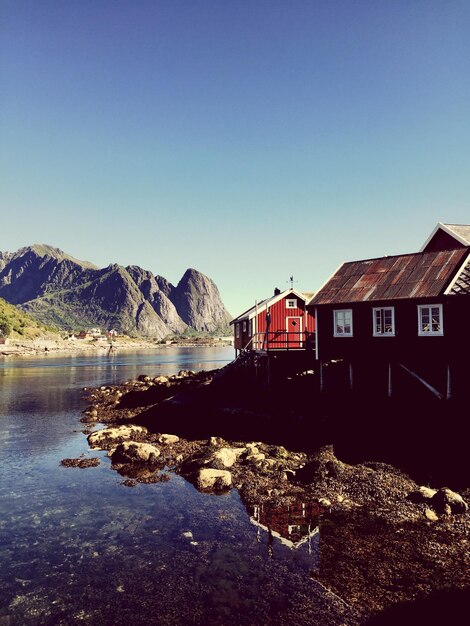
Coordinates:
<point>79,547</point>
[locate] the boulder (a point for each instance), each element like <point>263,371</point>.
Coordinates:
<point>447,501</point>
<point>430,515</point>
<point>109,437</point>
<point>135,452</point>
<point>227,457</point>
<point>423,494</point>
<point>168,439</point>
<point>160,380</point>
<point>255,457</point>
<point>215,441</point>
<point>213,479</point>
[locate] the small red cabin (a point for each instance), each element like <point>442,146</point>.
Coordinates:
<point>281,322</point>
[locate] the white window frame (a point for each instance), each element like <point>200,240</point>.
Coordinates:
<point>382,333</point>
<point>291,303</point>
<point>337,314</point>
<point>430,333</point>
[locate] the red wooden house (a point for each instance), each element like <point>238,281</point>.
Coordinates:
<point>282,322</point>
<point>409,309</point>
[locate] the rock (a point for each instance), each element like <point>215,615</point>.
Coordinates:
<point>431,515</point>
<point>135,452</point>
<point>446,501</point>
<point>215,441</point>
<point>213,479</point>
<point>227,457</point>
<point>324,502</point>
<point>255,457</point>
<point>423,494</point>
<point>279,452</point>
<point>161,380</point>
<point>168,439</point>
<point>111,436</point>
<point>143,378</point>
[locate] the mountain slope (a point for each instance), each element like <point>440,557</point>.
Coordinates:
<point>59,290</point>
<point>17,324</point>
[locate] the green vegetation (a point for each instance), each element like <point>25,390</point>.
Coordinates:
<point>17,324</point>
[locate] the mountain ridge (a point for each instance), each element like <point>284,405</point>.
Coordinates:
<point>58,289</point>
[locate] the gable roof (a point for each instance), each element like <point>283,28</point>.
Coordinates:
<point>261,306</point>
<point>459,234</point>
<point>419,275</point>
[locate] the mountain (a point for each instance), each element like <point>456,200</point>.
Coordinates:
<point>19,325</point>
<point>59,290</point>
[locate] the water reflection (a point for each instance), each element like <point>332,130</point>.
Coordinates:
<point>77,547</point>
<point>293,525</point>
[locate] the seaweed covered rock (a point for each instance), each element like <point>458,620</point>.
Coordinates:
<point>109,437</point>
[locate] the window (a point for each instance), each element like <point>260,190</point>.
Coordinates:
<point>384,322</point>
<point>244,327</point>
<point>237,330</point>
<point>430,320</point>
<point>343,323</point>
<point>291,304</point>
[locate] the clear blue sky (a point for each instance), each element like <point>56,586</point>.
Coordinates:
<point>249,139</point>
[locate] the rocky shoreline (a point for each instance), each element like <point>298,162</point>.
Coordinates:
<point>42,346</point>
<point>386,540</point>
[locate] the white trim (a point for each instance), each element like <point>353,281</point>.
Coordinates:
<point>430,333</point>
<point>374,329</point>
<point>326,282</point>
<point>260,307</point>
<point>340,335</point>
<point>293,317</point>
<point>448,231</point>
<point>456,277</point>
<point>316,334</point>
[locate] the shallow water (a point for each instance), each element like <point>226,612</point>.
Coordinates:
<point>79,547</point>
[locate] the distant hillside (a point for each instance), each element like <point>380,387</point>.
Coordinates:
<point>61,291</point>
<point>17,324</point>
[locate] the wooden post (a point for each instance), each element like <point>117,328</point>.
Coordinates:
<point>449,384</point>
<point>351,379</point>
<point>389,380</point>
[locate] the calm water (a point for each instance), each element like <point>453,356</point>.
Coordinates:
<point>78,547</point>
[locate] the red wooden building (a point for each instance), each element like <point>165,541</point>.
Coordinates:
<point>282,322</point>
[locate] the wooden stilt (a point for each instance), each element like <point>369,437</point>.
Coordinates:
<point>449,384</point>
<point>322,382</point>
<point>389,380</point>
<point>351,378</point>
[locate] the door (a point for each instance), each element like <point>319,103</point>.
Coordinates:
<point>294,332</point>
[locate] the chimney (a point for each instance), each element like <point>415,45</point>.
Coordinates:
<point>277,291</point>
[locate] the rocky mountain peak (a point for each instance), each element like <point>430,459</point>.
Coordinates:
<point>60,290</point>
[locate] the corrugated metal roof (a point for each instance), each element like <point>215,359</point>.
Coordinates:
<point>421,275</point>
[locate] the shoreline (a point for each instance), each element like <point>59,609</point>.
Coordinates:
<point>373,508</point>
<point>60,347</point>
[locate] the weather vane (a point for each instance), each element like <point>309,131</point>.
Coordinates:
<point>291,281</point>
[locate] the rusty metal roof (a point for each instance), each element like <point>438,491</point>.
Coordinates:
<point>420,275</point>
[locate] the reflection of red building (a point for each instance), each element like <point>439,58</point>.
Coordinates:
<point>293,524</point>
